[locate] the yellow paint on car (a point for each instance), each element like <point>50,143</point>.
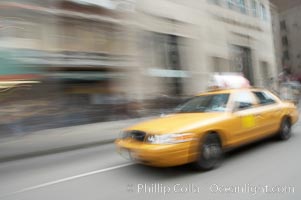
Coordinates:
<point>178,136</point>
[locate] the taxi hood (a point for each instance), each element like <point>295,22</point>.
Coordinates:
<point>178,122</point>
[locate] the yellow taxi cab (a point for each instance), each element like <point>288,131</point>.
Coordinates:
<point>201,129</point>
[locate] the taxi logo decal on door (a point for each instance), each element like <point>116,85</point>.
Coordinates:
<point>248,121</point>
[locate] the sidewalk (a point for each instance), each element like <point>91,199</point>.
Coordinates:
<point>62,139</point>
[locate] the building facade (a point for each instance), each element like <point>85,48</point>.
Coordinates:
<point>105,60</point>
<point>82,47</point>
<point>180,43</point>
<point>142,48</point>
<point>79,51</point>
<point>287,31</point>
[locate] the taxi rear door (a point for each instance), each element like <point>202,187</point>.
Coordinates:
<point>269,112</point>
<point>245,122</point>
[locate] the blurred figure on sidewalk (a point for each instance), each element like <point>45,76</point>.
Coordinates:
<point>285,75</point>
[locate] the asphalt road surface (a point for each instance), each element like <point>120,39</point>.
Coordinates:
<point>265,170</point>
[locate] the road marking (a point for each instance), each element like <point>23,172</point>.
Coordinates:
<point>67,179</point>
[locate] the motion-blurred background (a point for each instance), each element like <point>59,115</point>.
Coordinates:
<point>70,62</point>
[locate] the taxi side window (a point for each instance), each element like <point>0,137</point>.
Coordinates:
<point>264,98</point>
<point>243,100</point>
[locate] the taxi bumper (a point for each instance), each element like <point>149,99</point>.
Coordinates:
<point>158,155</point>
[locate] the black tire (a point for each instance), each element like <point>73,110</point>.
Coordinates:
<point>285,131</point>
<point>211,154</point>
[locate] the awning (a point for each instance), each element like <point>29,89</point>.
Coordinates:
<point>90,76</point>
<point>13,69</point>
<point>103,3</point>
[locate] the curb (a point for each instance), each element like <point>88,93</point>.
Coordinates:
<point>54,151</point>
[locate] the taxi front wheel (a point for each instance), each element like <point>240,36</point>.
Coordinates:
<point>210,153</point>
<point>285,129</point>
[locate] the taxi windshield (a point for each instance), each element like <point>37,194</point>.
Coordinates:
<point>205,103</point>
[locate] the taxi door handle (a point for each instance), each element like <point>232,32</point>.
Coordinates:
<point>258,115</point>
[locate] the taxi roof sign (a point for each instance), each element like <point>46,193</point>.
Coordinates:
<point>228,81</point>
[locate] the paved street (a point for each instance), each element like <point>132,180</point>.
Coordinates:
<point>100,173</point>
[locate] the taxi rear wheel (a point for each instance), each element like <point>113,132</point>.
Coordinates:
<point>210,153</point>
<point>285,129</point>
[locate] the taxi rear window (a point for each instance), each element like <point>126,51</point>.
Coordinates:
<point>264,98</point>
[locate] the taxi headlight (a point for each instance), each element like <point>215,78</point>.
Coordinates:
<point>170,138</point>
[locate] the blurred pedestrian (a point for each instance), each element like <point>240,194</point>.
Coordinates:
<point>285,75</point>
